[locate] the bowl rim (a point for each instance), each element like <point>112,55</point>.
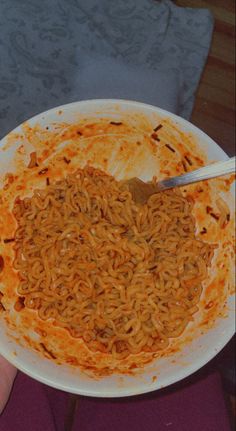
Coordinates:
<point>131,103</point>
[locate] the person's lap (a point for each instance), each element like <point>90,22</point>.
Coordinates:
<point>196,404</point>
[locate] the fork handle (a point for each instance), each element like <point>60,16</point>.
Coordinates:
<point>211,171</point>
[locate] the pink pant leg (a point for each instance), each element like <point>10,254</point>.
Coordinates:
<point>34,407</point>
<point>199,406</point>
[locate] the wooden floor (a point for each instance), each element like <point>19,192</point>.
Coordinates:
<point>214,110</point>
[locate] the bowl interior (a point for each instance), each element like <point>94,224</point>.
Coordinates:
<point>166,370</point>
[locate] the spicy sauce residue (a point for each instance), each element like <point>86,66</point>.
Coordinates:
<point>126,147</point>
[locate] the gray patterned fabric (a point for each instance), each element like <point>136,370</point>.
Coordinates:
<point>58,51</point>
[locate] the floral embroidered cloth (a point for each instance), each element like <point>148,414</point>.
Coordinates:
<point>59,51</point>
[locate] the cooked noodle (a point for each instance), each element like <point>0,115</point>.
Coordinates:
<point>124,278</point>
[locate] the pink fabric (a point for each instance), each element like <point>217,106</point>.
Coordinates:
<point>7,376</point>
<point>34,407</point>
<point>197,404</point>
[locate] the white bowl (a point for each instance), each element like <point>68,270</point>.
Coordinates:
<point>199,345</point>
